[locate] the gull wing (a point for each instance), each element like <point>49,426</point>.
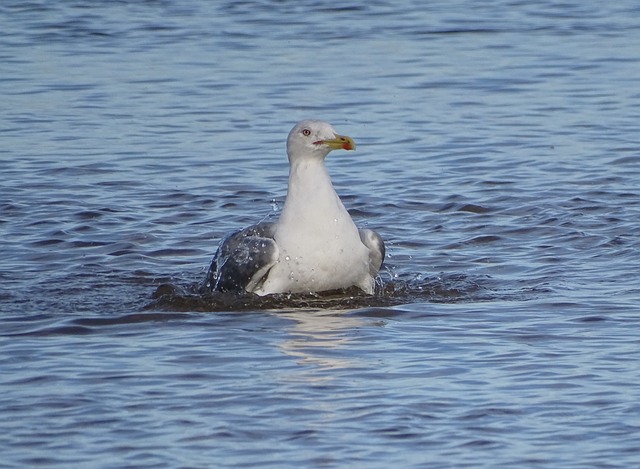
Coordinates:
<point>374,242</point>
<point>243,259</point>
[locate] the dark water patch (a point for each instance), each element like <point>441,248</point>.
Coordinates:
<point>62,330</point>
<point>628,160</point>
<point>405,289</point>
<point>591,319</point>
<point>476,240</point>
<point>173,252</point>
<point>47,242</point>
<point>88,215</point>
<point>127,319</point>
<point>51,326</point>
<point>473,208</point>
<point>379,312</point>
<point>88,244</point>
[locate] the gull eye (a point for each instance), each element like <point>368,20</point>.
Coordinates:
<point>306,132</point>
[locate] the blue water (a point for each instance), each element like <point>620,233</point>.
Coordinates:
<point>498,156</point>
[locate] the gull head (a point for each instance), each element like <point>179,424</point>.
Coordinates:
<point>315,139</point>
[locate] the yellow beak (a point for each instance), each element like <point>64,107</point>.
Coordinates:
<point>339,142</point>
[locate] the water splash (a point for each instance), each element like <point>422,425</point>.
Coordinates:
<point>405,289</point>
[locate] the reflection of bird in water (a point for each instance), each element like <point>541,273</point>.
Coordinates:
<point>315,245</point>
<point>321,338</point>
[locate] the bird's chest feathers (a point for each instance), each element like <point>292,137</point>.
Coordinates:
<point>314,222</point>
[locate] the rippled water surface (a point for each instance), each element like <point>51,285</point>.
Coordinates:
<point>498,156</point>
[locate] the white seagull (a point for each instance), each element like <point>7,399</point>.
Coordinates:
<point>315,245</point>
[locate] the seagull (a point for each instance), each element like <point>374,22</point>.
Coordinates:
<point>314,246</point>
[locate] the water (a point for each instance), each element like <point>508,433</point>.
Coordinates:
<point>498,156</point>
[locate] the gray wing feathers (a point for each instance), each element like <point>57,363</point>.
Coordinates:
<point>374,242</point>
<point>243,259</point>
